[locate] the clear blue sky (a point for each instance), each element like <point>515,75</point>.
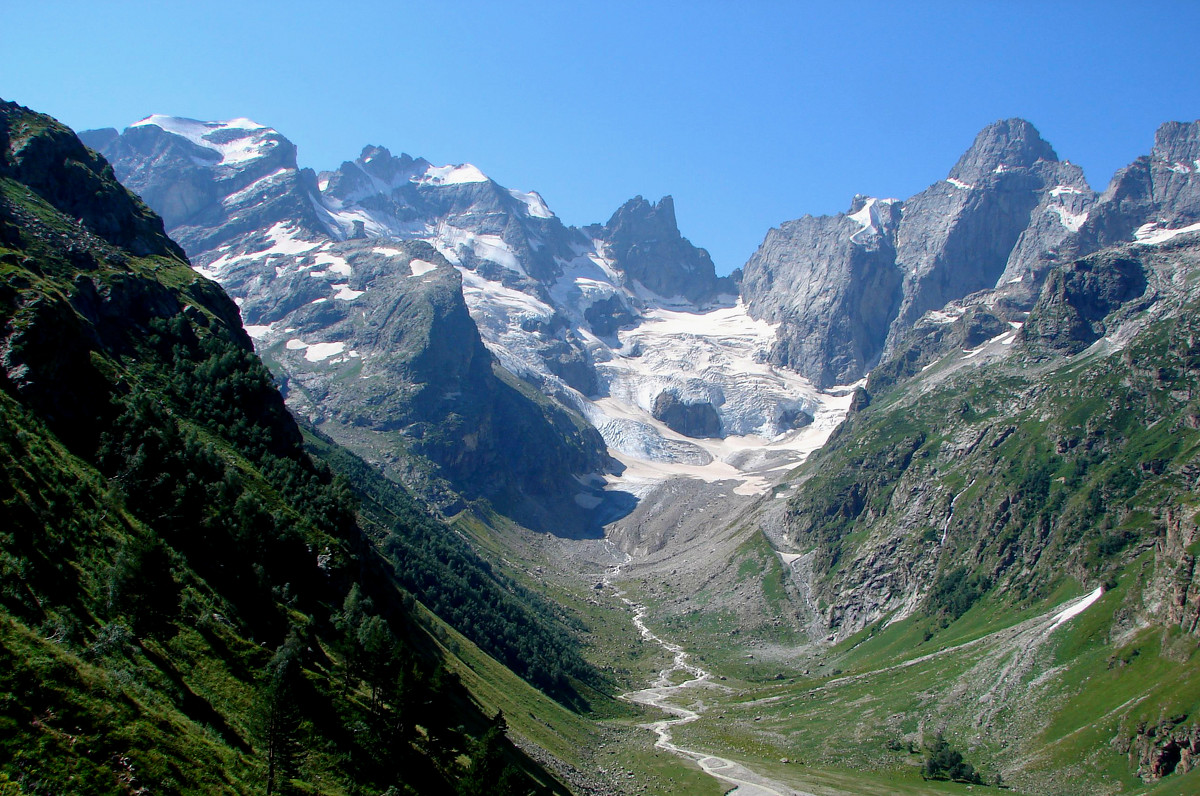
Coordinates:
<point>748,113</point>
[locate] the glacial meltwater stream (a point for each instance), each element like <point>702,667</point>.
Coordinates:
<point>746,782</point>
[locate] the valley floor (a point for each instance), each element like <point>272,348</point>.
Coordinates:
<point>731,693</point>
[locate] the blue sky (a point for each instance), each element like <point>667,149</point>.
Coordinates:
<point>748,113</point>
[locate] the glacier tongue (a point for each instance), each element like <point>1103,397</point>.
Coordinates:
<point>770,418</point>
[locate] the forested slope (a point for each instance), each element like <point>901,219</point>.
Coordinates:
<point>189,603</point>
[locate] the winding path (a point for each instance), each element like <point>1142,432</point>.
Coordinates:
<point>745,781</point>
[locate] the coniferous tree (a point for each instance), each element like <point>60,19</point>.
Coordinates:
<point>944,762</point>
<point>280,720</point>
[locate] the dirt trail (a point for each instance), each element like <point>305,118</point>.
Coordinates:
<point>1020,642</point>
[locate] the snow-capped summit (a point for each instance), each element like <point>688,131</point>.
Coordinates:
<point>451,175</point>
<point>625,322</point>
<point>234,141</point>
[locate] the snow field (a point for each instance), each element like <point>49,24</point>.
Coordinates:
<point>253,143</point>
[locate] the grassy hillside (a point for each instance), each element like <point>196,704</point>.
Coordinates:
<point>967,500</point>
<point>189,603</point>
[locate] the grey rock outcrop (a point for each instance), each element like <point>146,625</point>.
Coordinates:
<point>846,293</point>
<point>644,242</point>
<point>690,419</point>
<point>1161,189</point>
<point>832,284</point>
<point>1075,300</point>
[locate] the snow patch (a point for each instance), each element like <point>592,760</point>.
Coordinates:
<point>1151,235</point>
<point>868,218</point>
<point>1002,339</point>
<point>1060,190</point>
<point>259,184</point>
<point>1072,221</point>
<point>315,352</point>
<point>336,264</point>
<point>283,240</point>
<point>451,175</point>
<point>257,332</point>
<point>966,186</point>
<point>943,316</point>
<point>344,293</point>
<point>420,267</point>
<point>535,206</point>
<point>1075,609</point>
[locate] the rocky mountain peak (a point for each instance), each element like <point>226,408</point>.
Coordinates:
<point>231,144</point>
<point>1002,146</point>
<point>379,162</point>
<point>845,293</point>
<point>639,218</point>
<point>1178,143</point>
<point>644,241</point>
<point>375,171</point>
<point>212,181</point>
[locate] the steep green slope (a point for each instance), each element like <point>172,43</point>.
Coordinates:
<point>188,602</point>
<point>972,496</point>
<point>517,627</point>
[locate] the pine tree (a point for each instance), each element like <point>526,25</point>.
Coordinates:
<point>280,720</point>
<point>944,762</point>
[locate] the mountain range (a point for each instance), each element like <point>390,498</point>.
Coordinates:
<point>319,506</point>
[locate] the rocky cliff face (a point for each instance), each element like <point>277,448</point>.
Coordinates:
<point>970,465</point>
<point>1006,215</point>
<point>644,243</point>
<point>1078,299</point>
<point>833,286</point>
<point>847,293</point>
<point>959,235</point>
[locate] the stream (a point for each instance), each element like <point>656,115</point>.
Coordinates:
<point>745,781</point>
